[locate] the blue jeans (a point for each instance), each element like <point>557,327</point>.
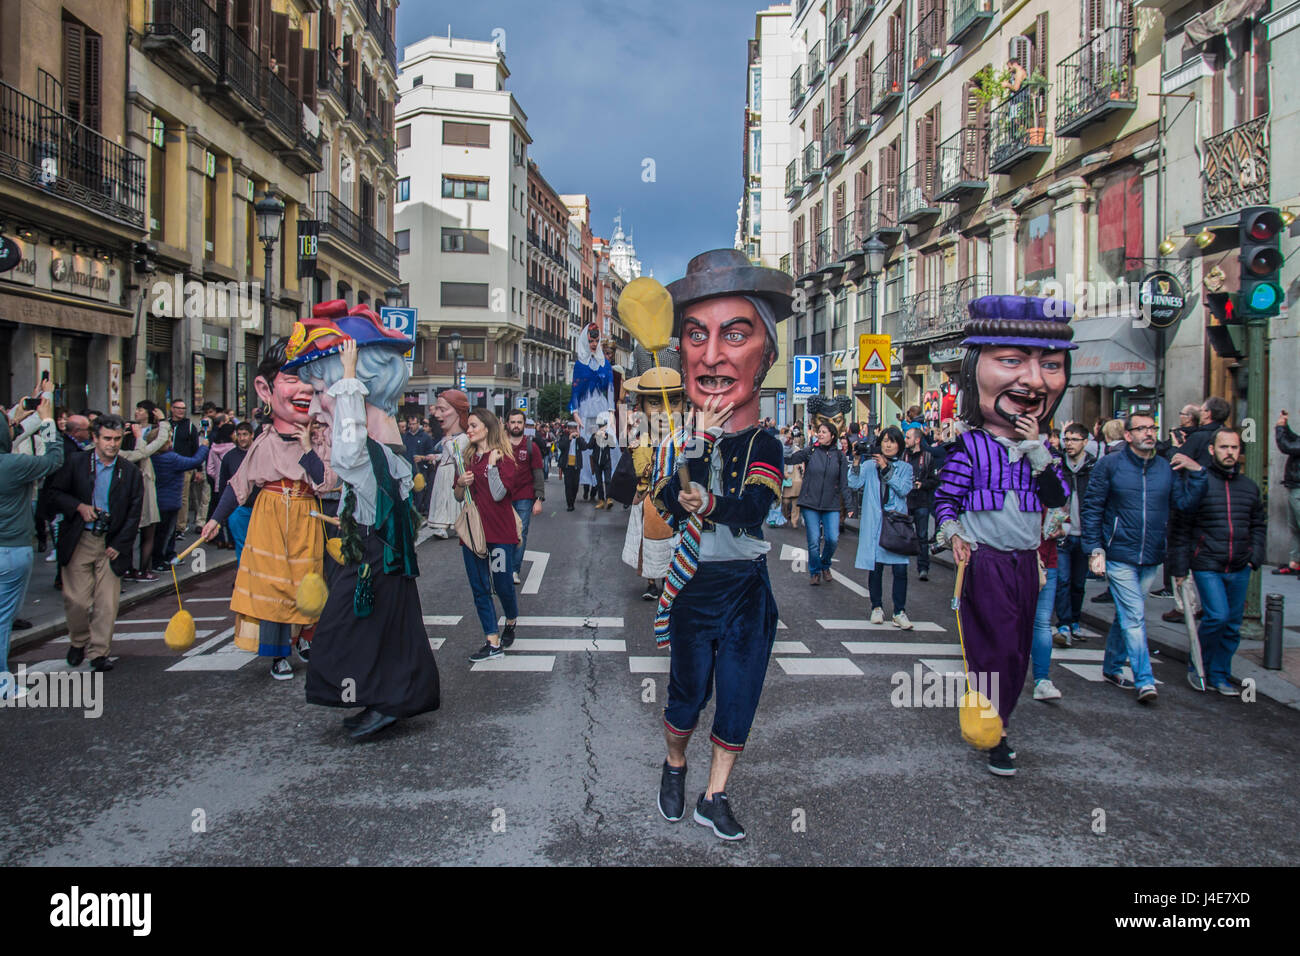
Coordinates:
<point>1071,572</point>
<point>1223,596</point>
<point>1042,646</point>
<point>238,524</point>
<point>525,511</point>
<point>484,574</point>
<point>876,587</point>
<point>15,571</point>
<point>821,526</point>
<point>921,519</point>
<point>1128,633</point>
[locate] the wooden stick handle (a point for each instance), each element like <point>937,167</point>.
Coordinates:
<point>956,591</point>
<point>186,553</point>
<point>326,518</point>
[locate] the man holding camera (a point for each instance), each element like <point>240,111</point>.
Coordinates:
<point>99,495</point>
<point>185,442</point>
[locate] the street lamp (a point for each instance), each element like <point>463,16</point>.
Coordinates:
<point>453,341</point>
<point>270,219</point>
<point>875,264</point>
<point>393,296</point>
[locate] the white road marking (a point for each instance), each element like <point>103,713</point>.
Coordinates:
<point>537,568</point>
<point>648,665</point>
<point>166,620</point>
<point>780,626</point>
<point>902,649</point>
<point>515,663</point>
<point>944,667</point>
<point>866,625</point>
<point>1092,672</point>
<point>544,621</point>
<point>437,642</point>
<point>58,665</point>
<point>128,636</point>
<point>568,644</point>
<point>214,662</point>
<point>849,583</point>
<point>190,600</point>
<point>819,666</point>
<point>441,620</point>
<point>790,647</point>
<point>210,642</point>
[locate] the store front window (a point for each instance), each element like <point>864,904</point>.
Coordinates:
<point>70,371</point>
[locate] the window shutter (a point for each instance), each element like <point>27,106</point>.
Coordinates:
<point>839,202</point>
<point>91,106</point>
<point>1019,48</point>
<point>263,47</point>
<point>280,42</point>
<point>310,66</point>
<point>1040,45</point>
<point>294,61</point>
<point>866,68</point>
<point>73,70</point>
<point>963,258</point>
<point>244,25</point>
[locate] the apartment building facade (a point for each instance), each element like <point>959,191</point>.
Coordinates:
<point>911,129</point>
<point>547,348</point>
<point>462,218</point>
<point>579,207</point>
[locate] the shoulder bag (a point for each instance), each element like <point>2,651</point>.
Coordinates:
<point>469,527</point>
<point>897,530</point>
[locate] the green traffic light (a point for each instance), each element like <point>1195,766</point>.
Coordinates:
<point>1265,297</point>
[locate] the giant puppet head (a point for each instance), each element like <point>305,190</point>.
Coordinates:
<point>726,311</point>
<point>288,396</point>
<point>1017,361</point>
<point>313,348</point>
<point>830,411</point>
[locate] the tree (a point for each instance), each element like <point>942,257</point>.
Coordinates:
<point>553,401</point>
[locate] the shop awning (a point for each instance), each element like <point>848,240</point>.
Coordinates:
<point>1113,353</point>
<point>1219,19</point>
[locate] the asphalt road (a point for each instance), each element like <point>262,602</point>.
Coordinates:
<point>203,759</point>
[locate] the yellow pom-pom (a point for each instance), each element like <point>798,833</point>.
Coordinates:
<point>418,482</point>
<point>334,547</point>
<point>180,631</point>
<point>312,593</point>
<point>981,727</point>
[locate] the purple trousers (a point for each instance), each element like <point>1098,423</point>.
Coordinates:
<point>998,603</point>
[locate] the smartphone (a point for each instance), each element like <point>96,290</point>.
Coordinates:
<point>32,403</point>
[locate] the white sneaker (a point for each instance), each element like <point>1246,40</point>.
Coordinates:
<point>877,615</point>
<point>517,579</point>
<point>901,621</point>
<point>1045,690</point>
<point>52,556</point>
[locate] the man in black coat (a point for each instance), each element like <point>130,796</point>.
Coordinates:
<point>99,496</point>
<point>1214,415</point>
<point>1220,541</point>
<point>569,446</point>
<point>1288,443</point>
<point>920,500</point>
<point>1071,563</point>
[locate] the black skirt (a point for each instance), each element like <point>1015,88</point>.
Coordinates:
<point>383,660</point>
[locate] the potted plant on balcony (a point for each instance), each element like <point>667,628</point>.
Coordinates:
<point>988,87</point>
<point>1118,81</point>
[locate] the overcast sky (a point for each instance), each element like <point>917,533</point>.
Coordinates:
<point>608,84</point>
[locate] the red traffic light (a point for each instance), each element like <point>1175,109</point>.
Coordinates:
<point>1263,261</point>
<point>1263,224</point>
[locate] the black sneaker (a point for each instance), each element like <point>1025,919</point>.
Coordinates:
<point>672,792</point>
<point>486,653</point>
<point>651,592</point>
<point>303,647</point>
<point>716,813</point>
<point>508,635</point>
<point>1119,680</point>
<point>1000,760</point>
<point>1103,598</point>
<point>1147,695</point>
<point>281,669</point>
<point>100,665</point>
<point>76,655</point>
<point>1161,592</point>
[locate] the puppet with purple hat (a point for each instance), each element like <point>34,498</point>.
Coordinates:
<point>998,482</point>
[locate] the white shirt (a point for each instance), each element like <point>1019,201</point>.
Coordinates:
<point>349,457</point>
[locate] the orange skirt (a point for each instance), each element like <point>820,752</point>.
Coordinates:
<point>284,544</point>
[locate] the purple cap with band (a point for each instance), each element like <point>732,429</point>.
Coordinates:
<point>1023,321</point>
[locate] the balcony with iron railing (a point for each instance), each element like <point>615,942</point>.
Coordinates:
<point>1018,130</point>
<point>1236,172</point>
<point>928,43</point>
<point>833,141</point>
<point>1095,81</point>
<point>802,260</point>
<point>812,161</point>
<point>53,153</point>
<point>240,78</point>
<point>919,315</point>
<point>337,222</point>
<point>955,299</point>
<point>963,165</point>
<point>839,35</point>
<point>816,66</point>
<point>172,30</point>
<point>784,264</point>
<point>857,114</point>
<point>878,214</point>
<point>845,242</point>
<point>916,193</point>
<point>821,251</point>
<point>887,82</point>
<point>796,88</point>
<point>861,11</point>
<point>282,107</point>
<point>793,184</point>
<point>375,23</point>
<point>966,17</point>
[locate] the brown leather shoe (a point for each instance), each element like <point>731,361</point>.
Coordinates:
<point>1173,616</point>
<point>826,576</point>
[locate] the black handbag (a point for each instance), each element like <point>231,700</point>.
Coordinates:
<point>622,483</point>
<point>897,530</point>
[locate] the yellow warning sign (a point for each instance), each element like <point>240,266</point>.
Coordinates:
<point>873,358</point>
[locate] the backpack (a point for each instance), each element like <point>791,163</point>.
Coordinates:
<point>623,482</point>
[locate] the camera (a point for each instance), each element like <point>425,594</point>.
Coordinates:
<point>866,448</point>
<point>99,526</point>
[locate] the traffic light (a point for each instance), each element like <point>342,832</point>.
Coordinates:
<point>1221,307</point>
<point>1260,292</point>
<point>144,253</point>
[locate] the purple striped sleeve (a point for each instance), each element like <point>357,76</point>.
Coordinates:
<point>954,482</point>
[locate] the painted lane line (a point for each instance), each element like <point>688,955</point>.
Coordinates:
<point>944,667</point>
<point>436,642</point>
<point>441,620</point>
<point>166,620</point>
<point>210,642</point>
<point>206,600</point>
<point>901,649</point>
<point>819,666</point>
<point>849,583</point>
<point>537,568</point>
<point>790,647</point>
<point>1092,672</point>
<point>515,663</point>
<point>780,626</point>
<point>863,625</point>
<point>214,662</point>
<point>128,636</point>
<point>648,665</point>
<point>568,644</point>
<point>565,621</point>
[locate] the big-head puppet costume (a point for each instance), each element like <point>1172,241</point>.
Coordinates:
<point>371,649</point>
<point>1001,478</point>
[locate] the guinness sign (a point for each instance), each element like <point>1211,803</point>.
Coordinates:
<point>1161,299</point>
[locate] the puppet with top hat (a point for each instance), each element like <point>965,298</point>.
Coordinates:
<point>650,540</point>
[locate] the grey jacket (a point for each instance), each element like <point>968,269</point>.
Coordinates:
<point>825,478</point>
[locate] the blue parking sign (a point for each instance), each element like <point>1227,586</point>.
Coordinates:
<point>404,321</point>
<point>807,375</point>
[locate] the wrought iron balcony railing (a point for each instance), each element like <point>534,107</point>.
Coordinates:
<point>919,314</point>
<point>928,42</point>
<point>1236,170</point>
<point>240,70</point>
<point>1018,129</point>
<point>336,219</point>
<point>816,66</point>
<point>845,240</point>
<point>916,194</point>
<point>887,82</point>
<point>968,16</point>
<point>793,184</point>
<point>812,161</point>
<point>801,260</point>
<point>784,264</point>
<point>833,141</point>
<point>857,114</point>
<point>1095,81</point>
<point>822,250</point>
<point>878,213</point>
<point>861,10</point>
<point>963,165</point>
<point>177,23</point>
<point>282,108</point>
<point>839,35</point>
<point>52,152</point>
<point>796,88</point>
<point>954,299</point>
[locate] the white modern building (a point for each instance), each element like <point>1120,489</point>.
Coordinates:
<point>460,225</point>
